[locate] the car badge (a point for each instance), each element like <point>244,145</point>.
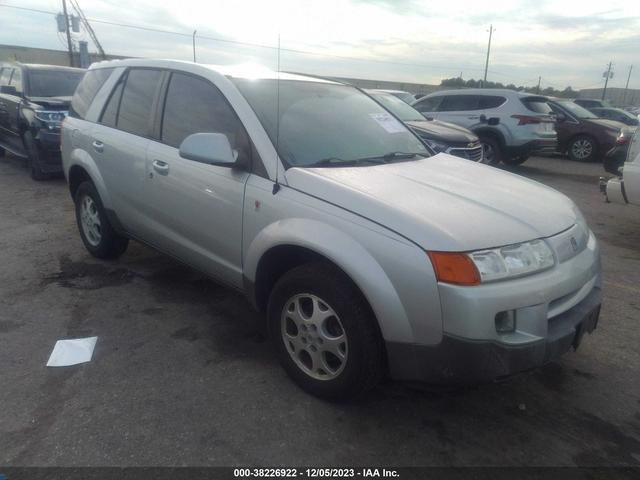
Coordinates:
<point>574,244</point>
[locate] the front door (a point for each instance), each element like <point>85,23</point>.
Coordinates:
<point>195,209</point>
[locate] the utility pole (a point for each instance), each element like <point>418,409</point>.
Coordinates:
<point>607,76</point>
<point>66,20</point>
<point>538,87</point>
<point>486,65</point>
<point>626,87</point>
<point>194,45</point>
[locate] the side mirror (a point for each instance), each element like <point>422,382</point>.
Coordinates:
<point>561,117</point>
<point>9,90</point>
<point>209,148</point>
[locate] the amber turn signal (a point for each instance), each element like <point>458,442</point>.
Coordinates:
<point>456,268</point>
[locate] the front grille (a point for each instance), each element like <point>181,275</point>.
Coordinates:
<point>474,154</point>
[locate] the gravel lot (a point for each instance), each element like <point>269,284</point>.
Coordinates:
<point>182,376</point>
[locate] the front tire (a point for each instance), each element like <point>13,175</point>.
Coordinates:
<point>491,150</point>
<point>583,148</point>
<point>98,236</point>
<point>324,332</point>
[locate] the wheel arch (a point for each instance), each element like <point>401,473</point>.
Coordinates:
<point>81,168</point>
<point>497,134</point>
<point>286,244</point>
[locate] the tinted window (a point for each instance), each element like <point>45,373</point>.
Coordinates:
<point>318,121</point>
<point>536,104</point>
<point>110,113</point>
<point>455,103</point>
<point>575,109</point>
<point>87,90</point>
<point>430,104</point>
<point>194,105</point>
<point>139,92</point>
<point>53,83</point>
<point>6,75</point>
<point>489,101</point>
<point>16,79</point>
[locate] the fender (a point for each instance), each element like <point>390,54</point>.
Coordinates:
<point>349,255</point>
<point>81,158</point>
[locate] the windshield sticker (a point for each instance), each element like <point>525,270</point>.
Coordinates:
<point>386,121</point>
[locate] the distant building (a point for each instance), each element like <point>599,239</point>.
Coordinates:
<point>615,95</point>
<point>13,53</point>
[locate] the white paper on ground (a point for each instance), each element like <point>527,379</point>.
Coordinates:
<point>72,352</point>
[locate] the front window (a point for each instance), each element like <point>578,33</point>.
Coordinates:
<point>53,83</point>
<point>398,107</point>
<point>318,122</point>
<point>575,109</point>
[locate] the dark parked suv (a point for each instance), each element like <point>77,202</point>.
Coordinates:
<point>581,134</point>
<point>34,99</point>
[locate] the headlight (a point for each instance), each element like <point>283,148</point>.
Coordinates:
<point>513,260</point>
<point>436,146</point>
<point>473,268</point>
<point>51,116</point>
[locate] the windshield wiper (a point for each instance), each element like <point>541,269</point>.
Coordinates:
<point>376,160</point>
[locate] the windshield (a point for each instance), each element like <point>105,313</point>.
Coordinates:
<point>398,107</point>
<point>575,109</point>
<point>325,121</point>
<point>53,83</point>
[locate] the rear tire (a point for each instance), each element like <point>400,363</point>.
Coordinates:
<point>583,148</point>
<point>33,158</point>
<point>98,236</point>
<point>491,150</point>
<point>315,310</point>
<point>514,161</point>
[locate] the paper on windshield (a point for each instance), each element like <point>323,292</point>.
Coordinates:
<point>72,352</point>
<point>387,122</point>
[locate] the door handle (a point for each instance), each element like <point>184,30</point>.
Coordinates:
<point>98,146</point>
<point>161,167</point>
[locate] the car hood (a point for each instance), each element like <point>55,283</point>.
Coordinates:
<point>447,132</point>
<point>443,203</point>
<point>55,102</point>
<point>604,123</point>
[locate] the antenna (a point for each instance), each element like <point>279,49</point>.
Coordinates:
<point>276,186</point>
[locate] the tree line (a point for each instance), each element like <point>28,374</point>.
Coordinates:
<point>458,82</point>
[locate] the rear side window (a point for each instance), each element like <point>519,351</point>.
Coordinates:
<point>537,104</point>
<point>16,80</point>
<point>6,76</point>
<point>454,103</point>
<point>110,113</point>
<point>490,101</point>
<point>134,115</point>
<point>430,104</point>
<point>194,105</point>
<point>87,90</point>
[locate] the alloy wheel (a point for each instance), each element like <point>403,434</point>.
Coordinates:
<point>582,149</point>
<point>314,336</point>
<point>90,219</point>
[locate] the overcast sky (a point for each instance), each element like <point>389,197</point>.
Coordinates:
<point>567,42</point>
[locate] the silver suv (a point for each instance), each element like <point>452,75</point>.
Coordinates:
<point>511,125</point>
<point>367,256</point>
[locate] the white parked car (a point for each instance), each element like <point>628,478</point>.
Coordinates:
<point>511,125</point>
<point>625,188</point>
<point>367,256</point>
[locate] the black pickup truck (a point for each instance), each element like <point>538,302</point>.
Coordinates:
<point>34,99</point>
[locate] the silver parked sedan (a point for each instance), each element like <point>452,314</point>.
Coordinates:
<point>367,256</point>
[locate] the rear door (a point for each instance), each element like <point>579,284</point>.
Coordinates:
<point>461,109</point>
<point>120,140</point>
<point>631,172</point>
<point>9,107</point>
<point>195,209</point>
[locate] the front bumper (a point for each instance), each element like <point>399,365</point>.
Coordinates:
<point>461,361</point>
<point>48,143</point>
